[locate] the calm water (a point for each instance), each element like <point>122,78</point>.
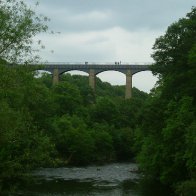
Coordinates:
<point>108,180</point>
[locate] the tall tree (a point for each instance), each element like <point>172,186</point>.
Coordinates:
<point>168,150</point>
<point>174,55</point>
<point>18,26</point>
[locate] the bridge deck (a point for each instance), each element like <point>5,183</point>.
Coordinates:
<point>97,67</point>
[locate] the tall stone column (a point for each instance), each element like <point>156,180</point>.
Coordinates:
<point>55,76</point>
<point>128,90</point>
<point>92,78</point>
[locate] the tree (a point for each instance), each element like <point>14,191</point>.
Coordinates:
<point>104,148</point>
<point>82,83</point>
<point>168,120</point>
<point>73,140</point>
<point>105,110</point>
<point>68,98</point>
<point>174,55</point>
<point>19,24</point>
<point>23,145</point>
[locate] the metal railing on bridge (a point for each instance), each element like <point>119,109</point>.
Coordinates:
<point>93,63</point>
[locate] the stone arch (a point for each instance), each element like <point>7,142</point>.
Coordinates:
<point>113,70</point>
<point>75,72</point>
<point>104,76</point>
<point>40,72</point>
<point>144,80</point>
<point>127,80</point>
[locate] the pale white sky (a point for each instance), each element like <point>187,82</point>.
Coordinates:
<point>108,31</point>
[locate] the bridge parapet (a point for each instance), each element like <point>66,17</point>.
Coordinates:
<point>98,68</point>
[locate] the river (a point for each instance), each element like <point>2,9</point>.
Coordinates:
<point>118,179</point>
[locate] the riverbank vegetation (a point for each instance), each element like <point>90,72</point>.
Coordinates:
<point>167,142</point>
<point>45,125</point>
<point>48,126</point>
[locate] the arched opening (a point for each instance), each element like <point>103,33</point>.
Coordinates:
<point>44,76</point>
<point>112,77</point>
<point>111,82</point>
<point>144,81</point>
<point>75,76</point>
<point>40,73</point>
<point>76,72</point>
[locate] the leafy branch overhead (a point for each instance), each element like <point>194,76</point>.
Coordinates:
<point>19,25</point>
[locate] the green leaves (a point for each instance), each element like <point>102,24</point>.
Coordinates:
<point>171,50</point>
<point>68,98</point>
<point>167,133</point>
<point>73,141</point>
<point>19,24</point>
<point>23,145</point>
<point>190,153</point>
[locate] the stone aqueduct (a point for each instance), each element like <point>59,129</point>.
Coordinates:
<point>93,69</point>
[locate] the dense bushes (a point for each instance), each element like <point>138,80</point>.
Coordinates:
<point>165,141</point>
<point>45,125</point>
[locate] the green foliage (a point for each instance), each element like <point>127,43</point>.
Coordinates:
<point>174,54</point>
<point>23,146</point>
<point>179,117</point>
<point>190,153</point>
<point>19,24</point>
<point>72,140</point>
<point>104,148</point>
<point>67,96</point>
<point>105,89</point>
<point>129,111</point>
<point>104,123</point>
<point>166,137</point>
<point>60,125</point>
<point>123,139</point>
<point>187,188</point>
<point>45,125</point>
<point>105,110</point>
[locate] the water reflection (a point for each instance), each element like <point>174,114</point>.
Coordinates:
<point>108,180</point>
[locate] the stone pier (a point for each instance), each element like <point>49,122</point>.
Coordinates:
<point>128,88</point>
<point>92,78</point>
<point>55,76</point>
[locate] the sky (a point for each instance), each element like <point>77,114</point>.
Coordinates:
<point>102,31</point>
